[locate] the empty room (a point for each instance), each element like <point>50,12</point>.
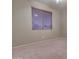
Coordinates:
<point>39,29</point>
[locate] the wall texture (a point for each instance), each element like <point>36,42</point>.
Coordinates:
<point>63,23</point>
<point>22,23</point>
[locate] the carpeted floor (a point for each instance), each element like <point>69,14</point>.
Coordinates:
<point>46,49</point>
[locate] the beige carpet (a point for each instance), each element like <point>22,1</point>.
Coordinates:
<point>46,49</point>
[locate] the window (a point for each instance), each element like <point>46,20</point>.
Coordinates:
<point>41,19</point>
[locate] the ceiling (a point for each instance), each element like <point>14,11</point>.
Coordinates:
<point>53,3</point>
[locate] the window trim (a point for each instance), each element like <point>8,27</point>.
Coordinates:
<point>43,11</point>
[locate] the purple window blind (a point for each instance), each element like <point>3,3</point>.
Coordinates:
<point>41,19</point>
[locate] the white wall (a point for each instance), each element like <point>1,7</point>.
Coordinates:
<point>63,14</point>
<point>22,23</point>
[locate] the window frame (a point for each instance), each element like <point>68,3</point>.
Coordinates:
<point>42,20</point>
